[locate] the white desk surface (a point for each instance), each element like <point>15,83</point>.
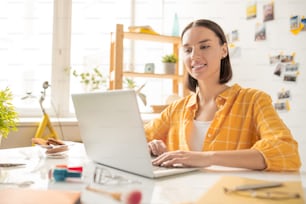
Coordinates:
<point>186,187</point>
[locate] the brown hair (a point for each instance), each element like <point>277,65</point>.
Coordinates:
<point>226,68</point>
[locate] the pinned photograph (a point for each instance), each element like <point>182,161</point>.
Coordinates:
<point>284,94</point>
<point>303,21</point>
<point>278,69</point>
<point>260,32</point>
<point>287,58</point>
<point>274,59</point>
<point>294,22</point>
<point>268,12</point>
<point>292,68</point>
<point>232,36</point>
<point>282,105</point>
<point>235,35</point>
<point>290,77</point>
<point>297,24</point>
<point>251,10</point>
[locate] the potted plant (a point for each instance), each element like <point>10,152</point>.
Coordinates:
<point>92,80</point>
<point>169,62</point>
<point>8,114</point>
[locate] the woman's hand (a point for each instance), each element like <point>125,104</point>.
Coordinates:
<point>183,159</point>
<point>245,158</point>
<point>157,147</point>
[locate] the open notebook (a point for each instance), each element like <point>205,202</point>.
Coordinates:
<point>113,134</point>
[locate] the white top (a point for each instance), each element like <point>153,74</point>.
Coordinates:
<point>198,134</point>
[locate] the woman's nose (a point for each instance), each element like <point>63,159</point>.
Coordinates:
<point>195,54</point>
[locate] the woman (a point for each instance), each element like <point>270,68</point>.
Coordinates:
<point>219,124</point>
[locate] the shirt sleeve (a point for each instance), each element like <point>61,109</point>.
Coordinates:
<point>158,127</point>
<point>276,143</point>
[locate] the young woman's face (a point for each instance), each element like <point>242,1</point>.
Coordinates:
<point>202,53</point>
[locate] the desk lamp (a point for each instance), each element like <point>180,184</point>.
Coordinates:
<point>45,120</point>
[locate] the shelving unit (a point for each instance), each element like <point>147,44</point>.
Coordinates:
<point>116,58</point>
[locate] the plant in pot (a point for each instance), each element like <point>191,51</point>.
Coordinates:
<point>169,62</point>
<point>8,114</point>
<point>91,80</point>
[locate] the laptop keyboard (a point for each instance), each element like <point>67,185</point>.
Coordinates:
<point>156,168</point>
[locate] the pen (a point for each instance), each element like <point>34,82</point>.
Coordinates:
<point>248,187</point>
<point>11,165</point>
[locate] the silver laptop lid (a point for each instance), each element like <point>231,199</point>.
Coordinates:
<point>112,130</point>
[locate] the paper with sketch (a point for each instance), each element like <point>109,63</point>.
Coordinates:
<point>216,193</point>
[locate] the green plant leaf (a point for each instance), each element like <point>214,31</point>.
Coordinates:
<point>8,115</point>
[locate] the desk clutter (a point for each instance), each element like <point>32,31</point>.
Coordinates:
<point>64,173</point>
<point>25,177</point>
<point>56,172</point>
<point>54,148</point>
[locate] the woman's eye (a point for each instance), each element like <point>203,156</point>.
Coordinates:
<point>204,46</point>
<point>187,50</point>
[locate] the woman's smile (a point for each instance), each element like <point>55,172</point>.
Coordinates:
<point>198,67</point>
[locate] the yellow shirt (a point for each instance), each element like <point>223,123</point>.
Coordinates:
<point>245,119</point>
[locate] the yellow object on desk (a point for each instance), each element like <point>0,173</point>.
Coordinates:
<point>286,193</point>
<point>45,123</point>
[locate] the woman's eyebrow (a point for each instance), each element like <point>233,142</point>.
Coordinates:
<point>201,41</point>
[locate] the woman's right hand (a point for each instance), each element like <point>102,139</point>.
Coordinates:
<point>157,147</point>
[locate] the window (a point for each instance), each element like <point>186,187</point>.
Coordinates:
<point>26,50</point>
<point>92,23</point>
<point>42,39</point>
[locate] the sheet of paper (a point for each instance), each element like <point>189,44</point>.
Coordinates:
<point>216,193</point>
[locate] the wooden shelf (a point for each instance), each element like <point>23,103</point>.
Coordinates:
<point>153,75</point>
<point>116,58</point>
<point>150,37</point>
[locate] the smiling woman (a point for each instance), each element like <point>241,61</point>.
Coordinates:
<point>230,125</point>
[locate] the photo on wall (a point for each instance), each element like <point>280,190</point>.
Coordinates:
<point>294,22</point>
<point>291,72</point>
<point>292,67</point>
<point>290,77</point>
<point>268,12</point>
<point>260,32</point>
<point>278,69</point>
<point>303,21</point>
<point>297,24</point>
<point>274,59</point>
<point>282,105</point>
<point>283,58</point>
<point>251,10</point>
<point>283,94</point>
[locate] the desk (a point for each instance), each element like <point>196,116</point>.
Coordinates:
<point>174,189</point>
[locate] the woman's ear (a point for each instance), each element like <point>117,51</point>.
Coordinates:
<point>224,50</point>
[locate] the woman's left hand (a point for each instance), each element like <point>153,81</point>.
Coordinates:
<point>181,158</point>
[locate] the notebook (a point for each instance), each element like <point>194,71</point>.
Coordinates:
<point>112,131</point>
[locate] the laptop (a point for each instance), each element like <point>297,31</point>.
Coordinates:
<point>112,131</point>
